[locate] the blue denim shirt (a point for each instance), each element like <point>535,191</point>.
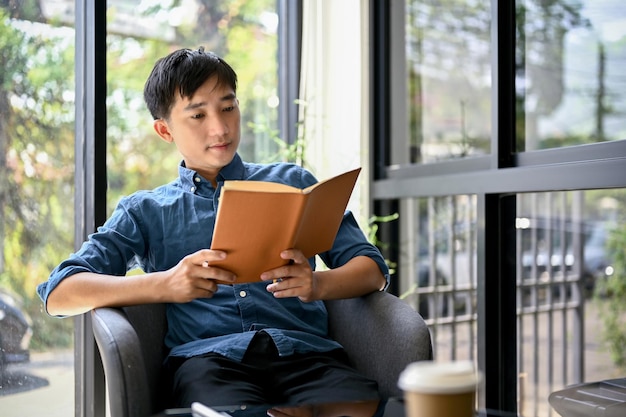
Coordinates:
<point>154,230</point>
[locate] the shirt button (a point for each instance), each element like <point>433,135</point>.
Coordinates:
<point>197,179</point>
<point>193,189</point>
<point>242,294</point>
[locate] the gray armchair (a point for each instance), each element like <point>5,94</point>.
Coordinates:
<point>380,333</point>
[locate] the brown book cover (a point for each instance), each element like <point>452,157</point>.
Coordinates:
<point>256,220</point>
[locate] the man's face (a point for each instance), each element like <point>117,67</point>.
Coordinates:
<point>205,128</point>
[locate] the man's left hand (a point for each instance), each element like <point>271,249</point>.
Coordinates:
<point>293,280</point>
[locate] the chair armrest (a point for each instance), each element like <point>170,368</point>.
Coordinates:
<point>123,363</point>
<point>381,334</point>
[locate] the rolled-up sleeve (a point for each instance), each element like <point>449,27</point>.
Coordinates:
<point>111,250</point>
<point>351,242</point>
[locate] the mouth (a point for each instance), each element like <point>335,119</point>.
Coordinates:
<point>219,146</point>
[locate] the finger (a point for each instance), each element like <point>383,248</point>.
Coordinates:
<point>277,284</point>
<point>206,283</point>
<point>213,273</point>
<point>205,293</point>
<point>207,255</point>
<point>281,273</point>
<point>294,255</point>
<point>286,288</point>
<point>277,412</point>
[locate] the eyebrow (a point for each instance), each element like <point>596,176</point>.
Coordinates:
<point>193,106</point>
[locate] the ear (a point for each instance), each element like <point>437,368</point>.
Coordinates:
<point>163,130</point>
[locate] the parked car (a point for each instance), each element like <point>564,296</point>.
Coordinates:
<point>15,331</point>
<point>550,256</point>
<point>429,301</point>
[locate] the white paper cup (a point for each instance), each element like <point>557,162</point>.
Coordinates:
<point>433,389</point>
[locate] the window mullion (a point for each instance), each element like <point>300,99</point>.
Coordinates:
<point>90,184</point>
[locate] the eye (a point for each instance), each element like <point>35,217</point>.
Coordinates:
<point>197,116</point>
<point>229,108</point>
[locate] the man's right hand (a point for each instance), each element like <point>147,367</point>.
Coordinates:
<point>194,277</point>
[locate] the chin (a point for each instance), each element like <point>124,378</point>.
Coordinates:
<point>224,158</point>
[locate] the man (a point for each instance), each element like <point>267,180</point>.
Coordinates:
<point>259,343</point>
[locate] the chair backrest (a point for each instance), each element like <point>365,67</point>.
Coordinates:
<point>380,333</point>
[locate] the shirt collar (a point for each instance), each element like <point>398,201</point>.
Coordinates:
<point>235,170</point>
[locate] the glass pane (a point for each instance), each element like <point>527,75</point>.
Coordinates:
<point>244,33</point>
<point>36,207</point>
<point>448,52</point>
<point>438,270</point>
<point>571,285</point>
<point>571,298</point>
<point>570,79</point>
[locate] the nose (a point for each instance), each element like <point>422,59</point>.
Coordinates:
<point>218,126</point>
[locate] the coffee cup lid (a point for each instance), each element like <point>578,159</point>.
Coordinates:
<point>440,377</point>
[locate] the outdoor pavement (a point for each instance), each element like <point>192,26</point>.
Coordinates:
<point>44,387</point>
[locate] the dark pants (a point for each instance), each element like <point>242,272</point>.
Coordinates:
<point>264,378</point>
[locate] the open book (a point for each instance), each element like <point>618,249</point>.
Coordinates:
<point>256,220</point>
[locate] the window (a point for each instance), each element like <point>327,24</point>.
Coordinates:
<point>449,80</point>
<point>437,269</point>
<point>36,207</point>
<point>570,55</point>
<point>511,234</point>
<point>567,262</point>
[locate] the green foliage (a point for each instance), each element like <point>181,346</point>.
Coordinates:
<point>11,41</point>
<point>22,9</point>
<point>372,236</point>
<point>38,148</point>
<point>37,143</point>
<point>563,141</point>
<point>611,298</point>
<point>279,149</point>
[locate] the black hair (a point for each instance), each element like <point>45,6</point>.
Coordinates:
<point>183,72</point>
